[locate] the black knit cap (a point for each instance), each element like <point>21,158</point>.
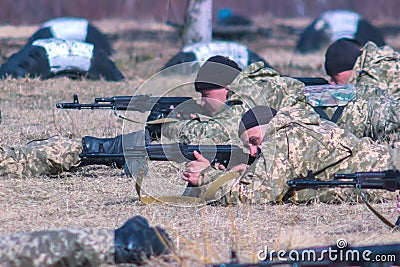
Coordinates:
<point>341,56</point>
<point>258,115</point>
<point>216,73</point>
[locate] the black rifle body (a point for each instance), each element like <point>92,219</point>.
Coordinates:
<point>159,107</point>
<point>386,180</point>
<point>227,155</point>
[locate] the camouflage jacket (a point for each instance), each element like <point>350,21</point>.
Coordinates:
<point>220,129</point>
<point>373,112</point>
<point>378,66</point>
<point>86,247</point>
<point>297,141</point>
<point>247,91</point>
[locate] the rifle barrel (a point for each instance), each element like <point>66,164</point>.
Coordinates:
<point>83,106</point>
<point>311,183</point>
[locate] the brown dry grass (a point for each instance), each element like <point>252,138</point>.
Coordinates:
<point>103,197</point>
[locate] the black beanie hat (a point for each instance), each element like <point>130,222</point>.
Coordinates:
<point>258,115</point>
<point>341,56</point>
<point>217,72</point>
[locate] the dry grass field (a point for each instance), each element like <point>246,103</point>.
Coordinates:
<point>102,197</point>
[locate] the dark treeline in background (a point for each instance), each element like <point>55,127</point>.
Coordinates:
<point>35,11</point>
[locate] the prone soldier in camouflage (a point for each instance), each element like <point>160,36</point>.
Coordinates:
<point>377,66</point>
<point>370,113</point>
<point>41,157</point>
<point>224,108</point>
<point>135,242</point>
<point>218,123</point>
<point>291,143</point>
<point>366,111</point>
<point>57,154</point>
<point>371,65</point>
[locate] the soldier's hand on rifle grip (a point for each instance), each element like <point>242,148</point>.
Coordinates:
<point>193,169</point>
<point>241,168</point>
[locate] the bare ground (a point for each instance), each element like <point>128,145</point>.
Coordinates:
<point>103,197</point>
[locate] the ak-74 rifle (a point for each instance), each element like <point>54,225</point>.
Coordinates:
<point>227,155</point>
<point>332,256</point>
<point>385,180</point>
<point>159,107</point>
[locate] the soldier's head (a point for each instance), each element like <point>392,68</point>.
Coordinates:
<point>213,81</point>
<point>340,58</point>
<point>253,125</point>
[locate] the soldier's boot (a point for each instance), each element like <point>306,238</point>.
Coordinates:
<point>102,151</point>
<point>108,151</point>
<point>136,242</point>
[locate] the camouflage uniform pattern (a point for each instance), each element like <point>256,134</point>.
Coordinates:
<point>220,129</point>
<point>373,112</point>
<point>245,94</point>
<point>42,157</point>
<point>86,247</point>
<point>297,141</point>
<point>256,86</point>
<point>378,66</point>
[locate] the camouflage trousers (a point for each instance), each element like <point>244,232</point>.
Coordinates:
<point>42,157</point>
<point>86,247</point>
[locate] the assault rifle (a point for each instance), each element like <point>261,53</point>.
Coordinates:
<point>227,155</point>
<point>386,180</point>
<point>159,107</point>
<point>337,255</point>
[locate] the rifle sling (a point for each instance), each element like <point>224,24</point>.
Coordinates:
<point>208,196</point>
<point>335,117</point>
<point>377,214</point>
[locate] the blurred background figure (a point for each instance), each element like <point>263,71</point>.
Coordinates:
<point>64,46</point>
<point>53,57</point>
<point>336,24</point>
<point>69,28</point>
<point>198,53</point>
